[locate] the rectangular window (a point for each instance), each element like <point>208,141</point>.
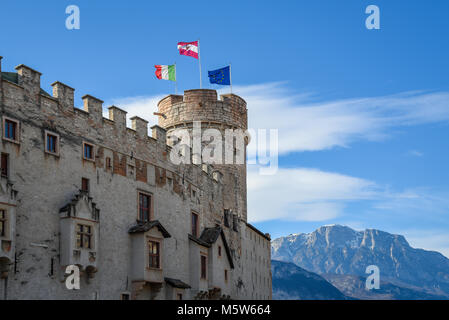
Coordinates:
<point>203,267</point>
<point>10,132</point>
<point>194,224</point>
<point>144,207</point>
<point>83,236</point>
<point>219,251</point>
<point>88,151</point>
<point>226,275</point>
<point>153,249</point>
<point>85,184</point>
<point>51,143</point>
<point>226,217</point>
<point>2,223</point>
<point>125,296</point>
<point>108,163</point>
<point>5,162</point>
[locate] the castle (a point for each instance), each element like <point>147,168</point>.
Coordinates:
<point>79,189</point>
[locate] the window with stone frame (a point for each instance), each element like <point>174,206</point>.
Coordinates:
<point>3,222</point>
<point>10,129</point>
<point>203,267</point>
<point>5,164</point>
<point>154,254</point>
<point>195,224</point>
<point>51,143</point>
<point>88,151</point>
<point>85,185</point>
<point>144,209</point>
<point>84,236</point>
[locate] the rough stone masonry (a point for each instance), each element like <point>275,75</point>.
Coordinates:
<point>80,189</point>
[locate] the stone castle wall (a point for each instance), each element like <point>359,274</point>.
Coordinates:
<point>138,163</point>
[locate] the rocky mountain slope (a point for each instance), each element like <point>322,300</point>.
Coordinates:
<point>291,282</point>
<point>340,250</point>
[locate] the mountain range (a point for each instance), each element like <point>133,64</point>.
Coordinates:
<point>341,255</point>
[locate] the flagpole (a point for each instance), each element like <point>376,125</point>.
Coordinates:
<point>176,81</point>
<point>199,62</point>
<point>230,76</point>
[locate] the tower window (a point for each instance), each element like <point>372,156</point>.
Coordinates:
<point>11,129</point>
<point>88,151</point>
<point>219,251</point>
<point>226,275</point>
<point>153,254</point>
<point>144,207</point>
<point>4,164</point>
<point>51,143</point>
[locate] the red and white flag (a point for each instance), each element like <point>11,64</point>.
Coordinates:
<point>188,49</point>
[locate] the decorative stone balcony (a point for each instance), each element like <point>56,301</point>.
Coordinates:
<point>80,226</point>
<point>8,206</point>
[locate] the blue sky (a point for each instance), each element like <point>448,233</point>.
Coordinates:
<point>363,115</point>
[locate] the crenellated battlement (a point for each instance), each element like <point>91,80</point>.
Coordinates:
<point>203,105</point>
<point>23,99</point>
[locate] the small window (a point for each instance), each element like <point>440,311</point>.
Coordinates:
<point>83,236</point>
<point>125,296</point>
<point>203,267</point>
<point>3,221</point>
<point>195,226</point>
<point>108,163</point>
<point>11,129</point>
<point>85,185</point>
<point>88,151</point>
<point>51,143</point>
<point>144,207</point>
<point>153,249</point>
<point>179,296</point>
<point>219,251</point>
<point>4,164</point>
<point>226,275</point>
<point>193,193</point>
<point>226,217</point>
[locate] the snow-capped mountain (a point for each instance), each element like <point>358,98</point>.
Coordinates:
<point>341,250</point>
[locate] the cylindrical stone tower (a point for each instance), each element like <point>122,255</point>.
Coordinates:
<point>230,112</point>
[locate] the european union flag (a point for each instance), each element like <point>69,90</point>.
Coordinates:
<point>220,76</point>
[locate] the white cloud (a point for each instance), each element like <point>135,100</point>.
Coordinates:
<point>415,153</point>
<point>303,194</point>
<point>307,125</point>
<point>142,106</point>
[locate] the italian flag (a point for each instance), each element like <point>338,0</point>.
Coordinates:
<point>166,72</point>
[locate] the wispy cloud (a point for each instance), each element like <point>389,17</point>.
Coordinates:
<point>303,194</point>
<point>415,153</point>
<point>306,124</point>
